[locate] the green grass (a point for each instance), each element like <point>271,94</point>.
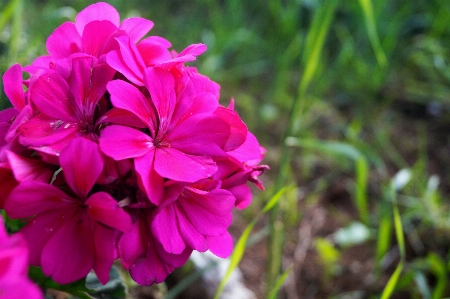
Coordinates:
<point>343,94</point>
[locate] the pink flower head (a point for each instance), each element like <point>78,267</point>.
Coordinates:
<point>181,137</point>
<point>14,283</point>
<point>72,228</point>
<point>116,149</point>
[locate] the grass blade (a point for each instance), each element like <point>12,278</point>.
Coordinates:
<point>236,257</point>
<point>369,17</point>
<point>241,244</point>
<point>279,283</point>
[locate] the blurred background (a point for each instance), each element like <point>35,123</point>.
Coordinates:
<point>350,98</point>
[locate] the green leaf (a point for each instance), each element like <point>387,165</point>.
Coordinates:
<point>326,147</point>
<point>76,288</point>
<point>114,288</point>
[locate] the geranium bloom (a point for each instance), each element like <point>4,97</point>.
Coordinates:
<point>14,283</point>
<point>181,137</point>
<point>116,149</point>
<point>74,231</point>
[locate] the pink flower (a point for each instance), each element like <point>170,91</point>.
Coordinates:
<point>74,231</point>
<point>181,137</point>
<point>14,283</point>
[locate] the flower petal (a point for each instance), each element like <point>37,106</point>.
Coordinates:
<point>161,86</point>
<point>50,93</point>
<point>96,12</point>
<point>173,164</point>
<point>149,180</point>
<point>69,253</point>
<point>12,82</point>
<point>126,96</point>
<point>127,60</point>
<point>221,246</point>
<point>95,37</point>
<point>81,174</point>
<point>104,239</point>
<point>165,228</point>
<point>120,142</point>
<point>31,198</point>
<point>132,246</point>
<point>154,50</point>
<point>136,28</point>
<point>27,169</point>
<point>65,40</point>
<point>103,208</point>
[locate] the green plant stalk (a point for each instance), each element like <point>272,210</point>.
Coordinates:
<point>312,52</point>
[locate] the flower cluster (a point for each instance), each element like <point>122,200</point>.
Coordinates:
<point>116,149</point>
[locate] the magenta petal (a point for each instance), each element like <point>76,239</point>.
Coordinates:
<point>39,230</point>
<point>80,79</point>
<point>149,179</point>
<point>154,50</point>
<point>249,150</point>
<point>12,82</point>
<point>165,229</point>
<point>132,246</point>
<point>157,264</point>
<point>95,36</point>
<point>221,246</point>
<point>43,130</point>
<point>27,169</point>
<point>200,135</point>
<point>194,50</point>
<point>121,142</point>
<point>151,269</point>
<point>238,129</point>
<point>173,164</point>
<point>136,28</point>
<point>190,234</point>
<point>103,208</point>
<point>243,196</point>
<point>104,239</point>
<point>209,213</point>
<point>31,198</point>
<point>126,96</point>
<point>50,93</point>
<point>65,40</point>
<point>69,254</point>
<point>96,12</point>
<point>161,86</point>
<point>127,60</point>
<point>121,117</point>
<point>81,174</point>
